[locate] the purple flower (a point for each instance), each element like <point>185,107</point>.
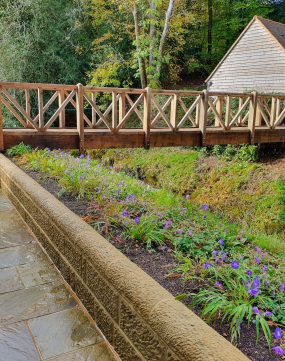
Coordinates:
<point>82,156</point>
<point>253,292</point>
<point>256,282</point>
<point>258,250</point>
<point>205,207</point>
<point>268,314</point>
<point>167,224</point>
<point>235,265</point>
<point>207,265</point>
<point>278,350</point>
<point>187,196</point>
<point>255,310</point>
<point>264,269</point>
<point>256,260</point>
<point>221,242</point>
<point>218,284</point>
<point>137,220</point>
<point>282,287</point>
<point>249,272</point>
<point>179,231</point>
<point>125,214</point>
<point>278,333</point>
<point>215,253</point>
<point>224,256</point>
<point>190,234</point>
<point>204,217</point>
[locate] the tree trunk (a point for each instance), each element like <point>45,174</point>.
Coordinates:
<point>152,31</point>
<point>164,34</point>
<point>141,63</point>
<point>210,29</point>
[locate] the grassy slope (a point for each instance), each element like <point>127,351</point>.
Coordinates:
<point>248,193</point>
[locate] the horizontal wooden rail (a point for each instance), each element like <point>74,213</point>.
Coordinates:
<point>148,113</point>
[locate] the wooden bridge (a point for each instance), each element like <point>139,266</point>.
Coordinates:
<point>77,116</point>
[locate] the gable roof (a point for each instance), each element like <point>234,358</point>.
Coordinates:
<point>276,30</point>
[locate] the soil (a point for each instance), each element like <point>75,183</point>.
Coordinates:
<point>159,264</point>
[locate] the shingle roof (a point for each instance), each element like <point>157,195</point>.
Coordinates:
<point>276,29</point>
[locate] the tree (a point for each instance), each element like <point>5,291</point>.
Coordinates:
<point>42,41</point>
<point>148,26</point>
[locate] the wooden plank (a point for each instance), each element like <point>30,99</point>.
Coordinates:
<point>252,116</point>
<point>147,117</point>
<point>80,115</point>
<point>115,120</point>
<point>61,97</point>
<point>219,107</point>
<point>122,106</point>
<point>28,106</point>
<point>41,106</point>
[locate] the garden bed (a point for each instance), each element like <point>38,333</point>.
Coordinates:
<point>186,249</point>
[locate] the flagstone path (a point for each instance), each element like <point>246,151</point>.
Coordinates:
<point>39,318</point>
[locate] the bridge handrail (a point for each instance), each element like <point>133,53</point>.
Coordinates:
<point>41,106</point>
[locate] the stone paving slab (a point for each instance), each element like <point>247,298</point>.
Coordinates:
<point>16,343</point>
<point>10,280</point>
<point>39,318</point>
<point>62,332</point>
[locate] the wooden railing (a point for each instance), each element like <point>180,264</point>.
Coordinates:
<point>43,107</point>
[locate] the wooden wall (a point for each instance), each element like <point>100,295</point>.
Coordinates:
<point>257,62</point>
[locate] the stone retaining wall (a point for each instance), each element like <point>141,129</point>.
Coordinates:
<point>139,318</point>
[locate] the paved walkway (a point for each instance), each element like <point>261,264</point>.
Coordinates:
<point>39,319</point>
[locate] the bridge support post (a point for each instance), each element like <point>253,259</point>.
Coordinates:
<point>80,115</point>
<point>203,115</point>
<point>252,116</point>
<point>147,117</point>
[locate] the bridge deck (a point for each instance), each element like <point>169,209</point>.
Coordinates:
<point>97,138</point>
<point>39,318</point>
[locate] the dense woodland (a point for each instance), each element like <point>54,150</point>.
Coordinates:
<point>122,43</point>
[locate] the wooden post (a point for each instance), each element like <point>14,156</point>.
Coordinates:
<point>94,114</point>
<point>240,104</point>
<point>228,112</point>
<point>147,116</point>
<point>80,115</point>
<point>1,126</point>
<point>28,106</point>
<point>173,111</point>
<point>203,115</point>
<point>252,116</point>
<point>219,107</point>
<point>61,97</point>
<point>122,106</point>
<point>258,121</point>
<point>40,106</point>
<point>114,111</point>
<point>273,112</point>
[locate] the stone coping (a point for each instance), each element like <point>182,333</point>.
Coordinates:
<point>139,318</point>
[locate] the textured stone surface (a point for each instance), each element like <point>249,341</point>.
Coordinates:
<point>144,339</point>
<point>98,352</point>
<point>10,280</point>
<point>39,318</point>
<point>149,307</point>
<point>63,332</point>
<point>38,273</point>
<point>15,256</point>
<point>16,344</point>
<point>33,302</point>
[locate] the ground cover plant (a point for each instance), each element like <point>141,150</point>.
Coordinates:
<point>229,179</point>
<point>233,281</point>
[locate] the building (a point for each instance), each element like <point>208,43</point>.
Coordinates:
<point>255,62</point>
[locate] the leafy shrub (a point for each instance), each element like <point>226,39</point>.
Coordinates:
<point>18,150</point>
